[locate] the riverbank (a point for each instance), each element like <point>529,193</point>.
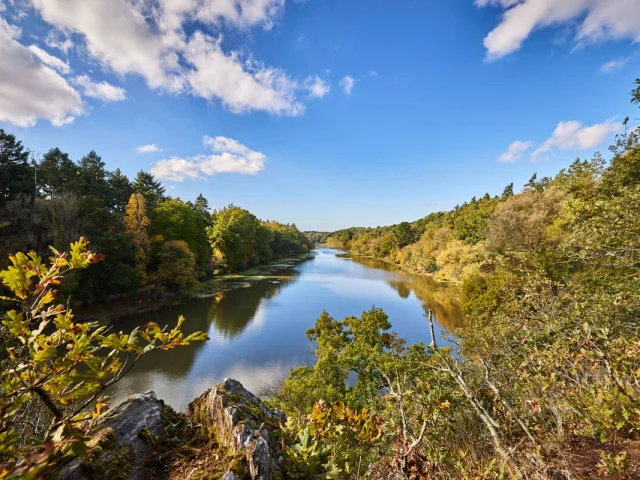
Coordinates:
<point>398,266</point>
<point>148,301</point>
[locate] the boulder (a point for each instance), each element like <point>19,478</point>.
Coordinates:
<point>238,419</point>
<point>123,439</point>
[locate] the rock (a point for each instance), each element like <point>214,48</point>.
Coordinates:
<point>121,442</point>
<point>239,420</point>
<point>229,476</point>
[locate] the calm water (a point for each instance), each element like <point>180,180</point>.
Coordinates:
<point>257,328</point>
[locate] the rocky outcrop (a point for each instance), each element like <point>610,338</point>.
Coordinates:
<point>123,440</point>
<point>127,441</point>
<point>239,420</point>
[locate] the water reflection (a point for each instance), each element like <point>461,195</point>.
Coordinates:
<point>257,328</point>
<point>440,298</point>
<point>233,309</point>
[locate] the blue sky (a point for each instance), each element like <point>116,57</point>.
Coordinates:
<point>325,113</point>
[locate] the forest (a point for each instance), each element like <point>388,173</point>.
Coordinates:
<point>146,238</point>
<point>544,374</point>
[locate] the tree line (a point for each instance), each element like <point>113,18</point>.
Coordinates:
<point>146,237</point>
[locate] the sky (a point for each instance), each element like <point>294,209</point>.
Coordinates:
<point>323,113</point>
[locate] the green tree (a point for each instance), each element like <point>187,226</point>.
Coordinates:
<point>238,239</point>
<point>57,174</point>
<point>201,206</point>
<point>404,234</point>
<point>469,222</point>
<point>177,265</point>
<point>16,175</point>
<point>507,192</point>
<point>145,184</point>
<point>538,185</point>
<point>116,274</point>
<point>121,190</point>
<point>93,177</point>
<point>176,220</point>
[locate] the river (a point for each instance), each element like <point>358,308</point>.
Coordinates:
<point>257,328</point>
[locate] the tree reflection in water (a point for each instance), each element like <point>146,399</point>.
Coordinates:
<point>440,298</point>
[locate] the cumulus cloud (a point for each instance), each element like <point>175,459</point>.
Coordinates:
<point>595,20</point>
<point>101,90</point>
<point>573,135</point>
<point>50,60</point>
<point>240,87</point>
<point>150,38</point>
<point>347,84</point>
<point>150,148</point>
<point>117,34</point>
<point>31,90</point>
<point>515,151</point>
<point>317,87</point>
<point>229,156</point>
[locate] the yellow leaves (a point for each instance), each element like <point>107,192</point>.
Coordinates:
<point>18,276</point>
<point>136,224</point>
<point>99,409</point>
<point>81,256</point>
<point>333,421</point>
<point>17,325</point>
<point>42,354</point>
<point>63,321</point>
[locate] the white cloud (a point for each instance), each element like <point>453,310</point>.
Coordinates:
<point>150,148</point>
<point>317,87</point>
<point>573,135</point>
<point>613,65</point>
<point>596,20</point>
<point>150,38</point>
<point>118,35</point>
<point>240,87</point>
<point>52,61</point>
<point>229,156</point>
<point>515,151</point>
<point>176,168</point>
<point>225,144</point>
<point>59,40</point>
<point>101,90</point>
<point>239,13</point>
<point>31,90</point>
<point>347,84</point>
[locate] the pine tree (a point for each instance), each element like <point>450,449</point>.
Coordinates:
<point>145,184</point>
<point>16,175</point>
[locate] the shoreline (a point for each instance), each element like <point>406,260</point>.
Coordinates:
<point>111,311</point>
<point>393,264</point>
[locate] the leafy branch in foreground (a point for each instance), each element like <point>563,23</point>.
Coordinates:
<point>56,370</point>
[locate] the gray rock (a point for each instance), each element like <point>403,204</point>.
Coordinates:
<point>240,420</point>
<point>229,476</point>
<point>130,429</point>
